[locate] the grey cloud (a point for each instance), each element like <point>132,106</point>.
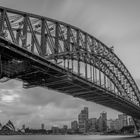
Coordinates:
<point>11,84</point>
<point>16,109</point>
<point>40,96</point>
<point>138,82</point>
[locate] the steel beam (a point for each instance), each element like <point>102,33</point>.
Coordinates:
<point>2,18</point>
<point>34,36</point>
<point>10,28</point>
<point>24,34</point>
<point>66,87</point>
<point>43,37</point>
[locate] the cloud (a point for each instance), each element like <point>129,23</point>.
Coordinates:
<point>9,98</point>
<point>33,106</point>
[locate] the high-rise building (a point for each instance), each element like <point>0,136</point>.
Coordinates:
<point>102,122</point>
<point>83,120</point>
<point>116,124</point>
<point>109,124</point>
<point>23,127</point>
<point>123,121</point>
<point>42,126</point>
<point>74,126</point>
<point>65,129</point>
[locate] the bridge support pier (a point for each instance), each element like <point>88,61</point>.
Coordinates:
<point>137,127</point>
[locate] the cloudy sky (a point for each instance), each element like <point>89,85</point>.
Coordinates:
<point>114,22</point>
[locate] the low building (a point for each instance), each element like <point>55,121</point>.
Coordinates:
<point>64,129</point>
<point>74,126</point>
<point>123,120</point>
<point>55,130</point>
<point>92,123</point>
<point>8,128</point>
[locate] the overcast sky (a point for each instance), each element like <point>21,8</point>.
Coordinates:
<point>114,22</point>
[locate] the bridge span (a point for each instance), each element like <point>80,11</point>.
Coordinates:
<point>52,54</point>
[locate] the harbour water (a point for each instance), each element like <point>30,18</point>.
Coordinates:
<point>67,137</point>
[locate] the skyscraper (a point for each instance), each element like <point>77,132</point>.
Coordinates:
<point>83,120</point>
<point>102,122</point>
<point>42,126</point>
<point>23,127</point>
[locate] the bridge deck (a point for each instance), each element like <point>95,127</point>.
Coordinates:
<point>33,70</point>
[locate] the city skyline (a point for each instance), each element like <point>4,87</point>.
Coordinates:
<point>115,25</point>
<point>83,119</point>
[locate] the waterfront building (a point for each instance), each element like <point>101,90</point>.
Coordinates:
<point>64,129</point>
<point>83,120</point>
<point>42,126</point>
<point>74,126</point>
<point>113,125</point>
<point>55,130</point>
<point>92,122</point>
<point>130,121</point>
<point>8,128</point>
<point>116,124</point>
<point>123,120</point>
<point>109,125</point>
<point>23,127</point>
<point>102,122</point>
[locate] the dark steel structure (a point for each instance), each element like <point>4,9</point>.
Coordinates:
<point>48,53</point>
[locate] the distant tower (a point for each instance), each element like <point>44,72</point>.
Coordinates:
<point>42,126</point>
<point>23,127</point>
<point>74,126</point>
<point>102,122</point>
<point>65,128</point>
<point>83,120</point>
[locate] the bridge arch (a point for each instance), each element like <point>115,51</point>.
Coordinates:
<point>107,70</point>
<point>54,40</point>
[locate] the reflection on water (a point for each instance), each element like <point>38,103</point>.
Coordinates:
<point>68,137</point>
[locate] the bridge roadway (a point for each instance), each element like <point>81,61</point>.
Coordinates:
<point>33,70</point>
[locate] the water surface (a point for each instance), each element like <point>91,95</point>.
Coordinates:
<point>68,137</point>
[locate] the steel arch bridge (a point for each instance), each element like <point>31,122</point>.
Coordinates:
<point>48,53</point>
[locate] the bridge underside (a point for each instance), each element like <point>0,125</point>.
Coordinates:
<point>18,63</point>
